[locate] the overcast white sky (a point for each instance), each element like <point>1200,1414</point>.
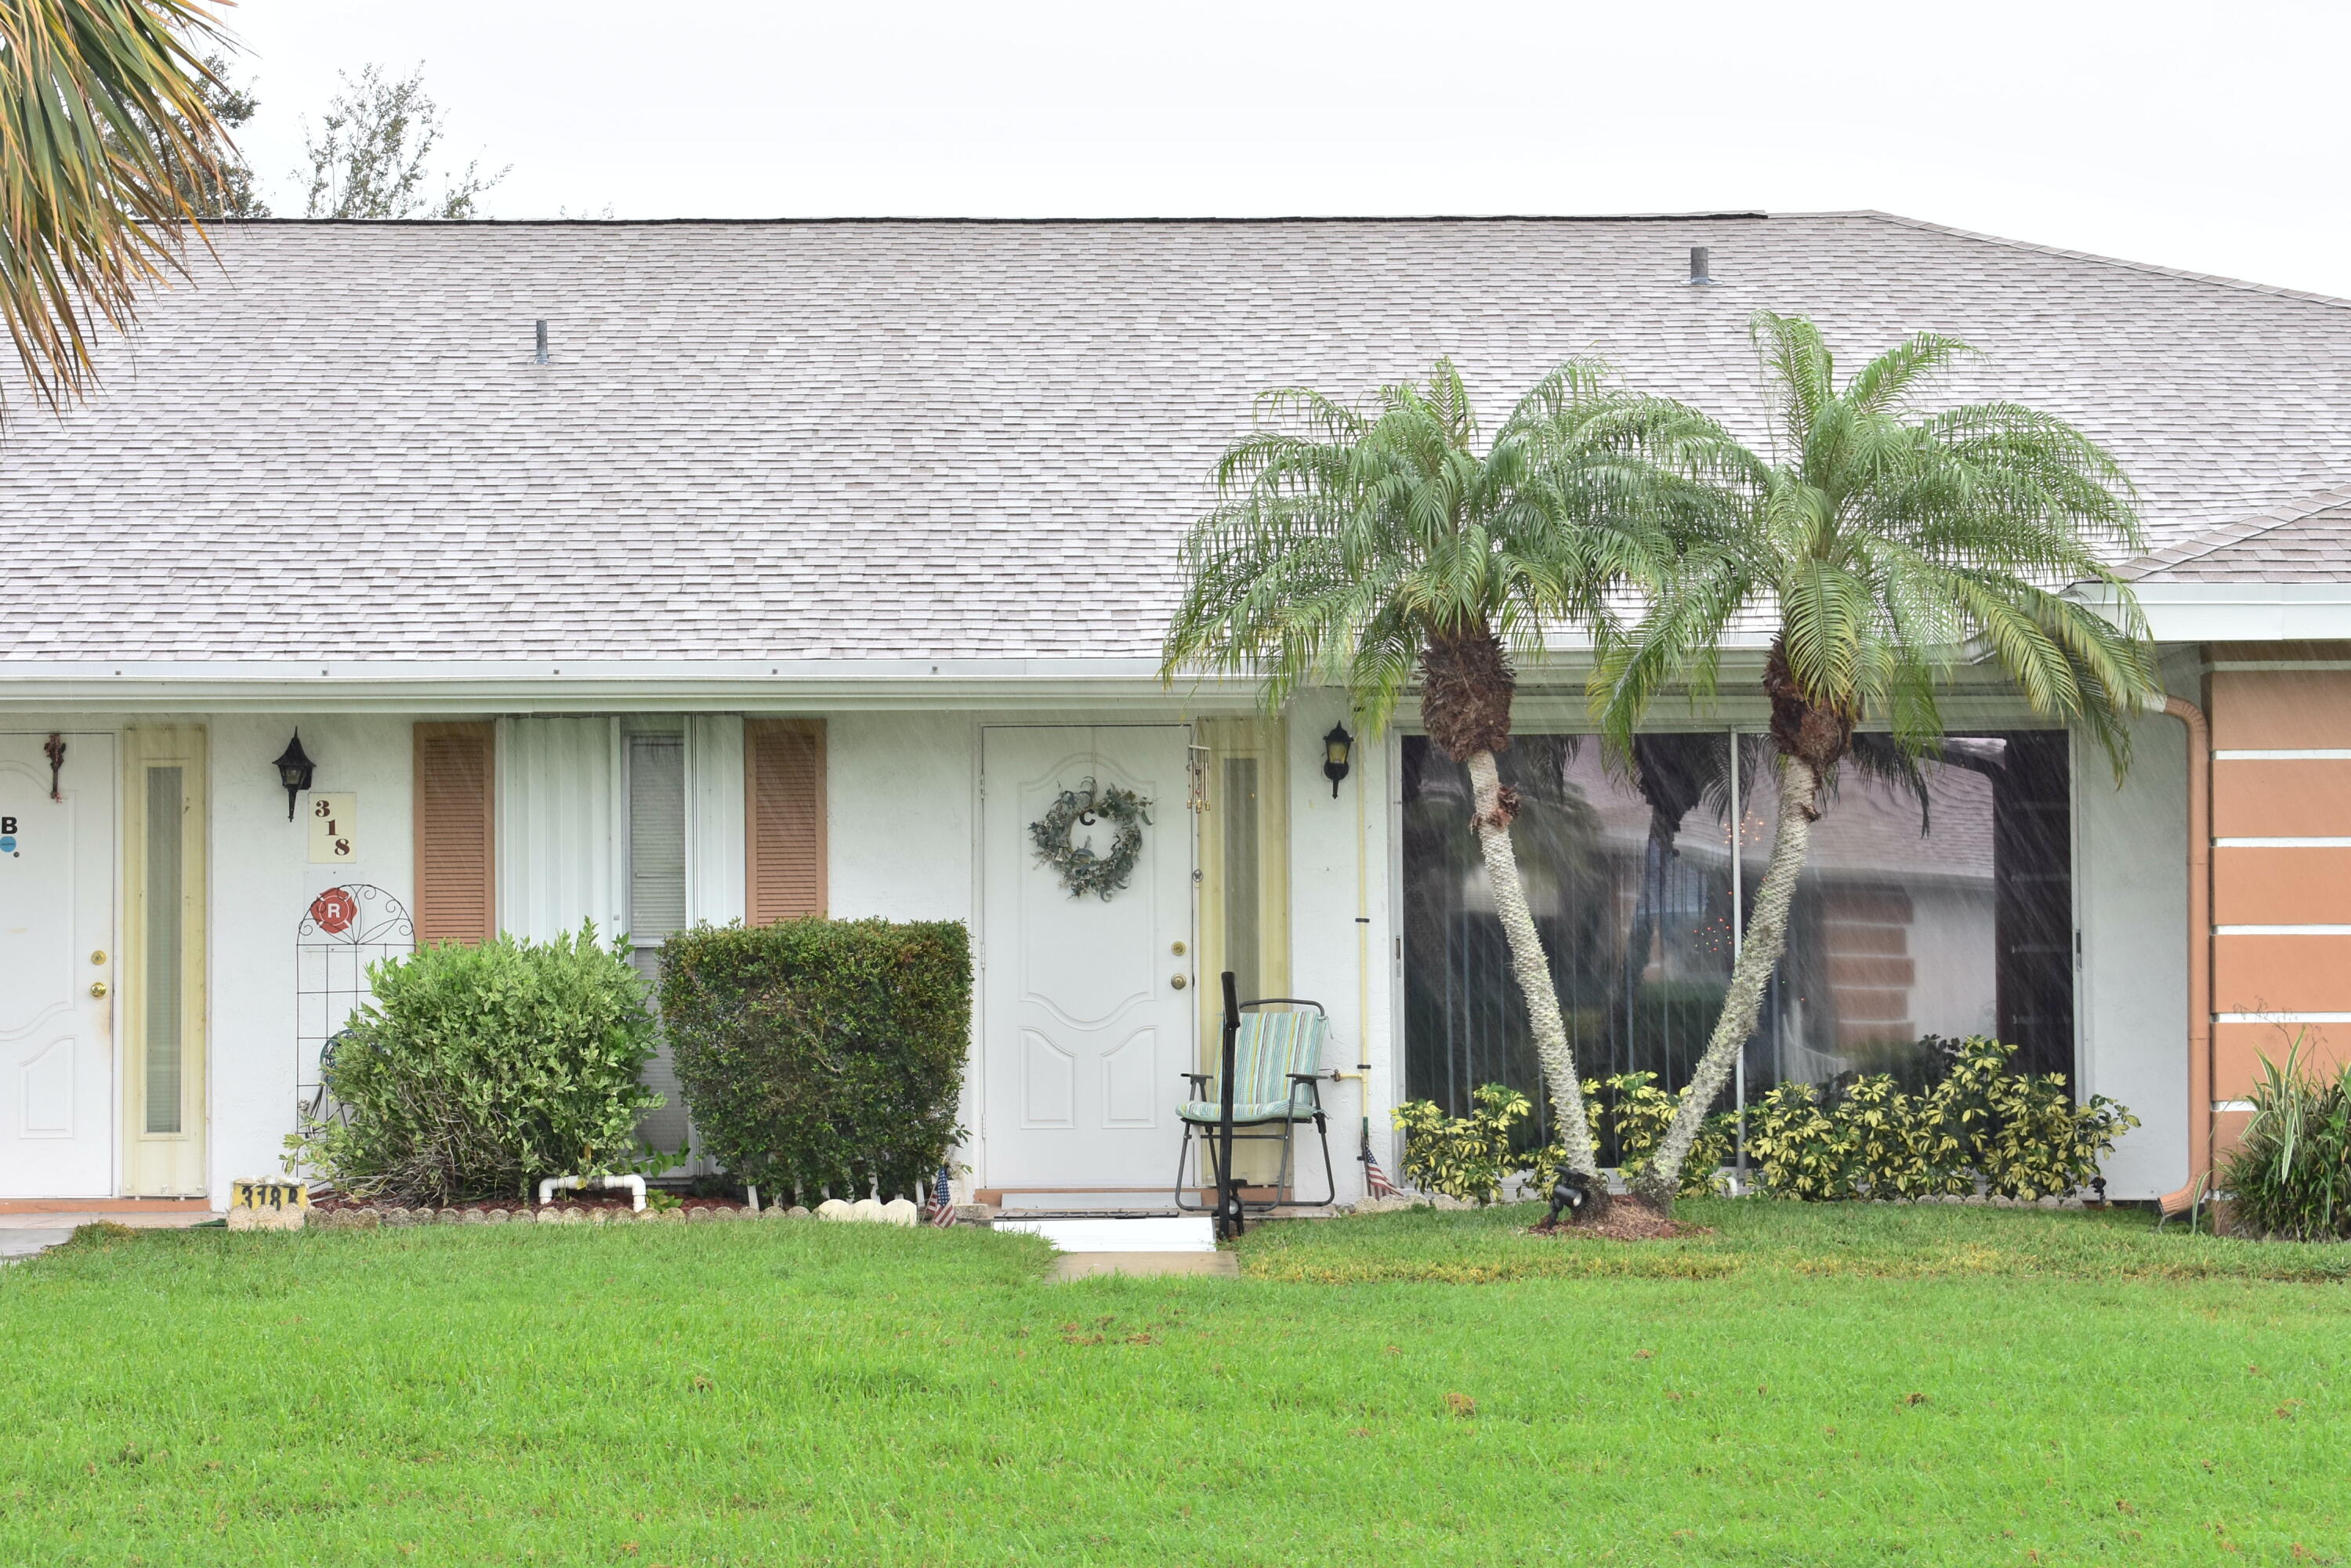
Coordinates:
<point>2203,135</point>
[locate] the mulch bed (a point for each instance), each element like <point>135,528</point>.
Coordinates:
<point>1625,1222</point>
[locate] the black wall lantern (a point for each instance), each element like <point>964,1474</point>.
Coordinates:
<point>1335,747</point>
<point>294,769</point>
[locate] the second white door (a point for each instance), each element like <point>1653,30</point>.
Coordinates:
<point>1087,1012</point>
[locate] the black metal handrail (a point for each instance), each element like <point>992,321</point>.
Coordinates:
<point>1229,1220</point>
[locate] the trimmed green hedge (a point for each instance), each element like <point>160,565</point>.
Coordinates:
<point>822,1053</point>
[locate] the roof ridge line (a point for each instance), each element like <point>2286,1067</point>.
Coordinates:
<point>942,220</point>
<point>2220,279</point>
<point>2227,536</point>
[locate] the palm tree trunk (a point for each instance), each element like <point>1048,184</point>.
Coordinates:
<point>1765,941</point>
<point>1491,814</point>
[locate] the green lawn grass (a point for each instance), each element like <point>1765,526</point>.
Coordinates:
<point>1807,1385</point>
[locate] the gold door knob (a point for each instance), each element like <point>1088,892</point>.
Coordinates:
<point>1179,982</point>
<point>98,988</point>
<point>99,956</point>
<point>1177,948</point>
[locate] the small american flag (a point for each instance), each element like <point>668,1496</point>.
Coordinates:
<point>1375,1180</point>
<point>943,1200</point>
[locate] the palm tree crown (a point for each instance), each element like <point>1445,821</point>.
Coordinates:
<point>104,126</point>
<point>1353,546</point>
<point>1888,547</point>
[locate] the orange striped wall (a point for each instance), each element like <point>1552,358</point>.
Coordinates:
<point>2293,965</point>
<point>2252,710</point>
<point>2270,973</point>
<point>2238,1048</point>
<point>2296,885</point>
<point>2263,799</point>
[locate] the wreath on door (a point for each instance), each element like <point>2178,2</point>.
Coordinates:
<point>1080,869</point>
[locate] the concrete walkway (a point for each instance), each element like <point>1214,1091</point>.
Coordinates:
<point>1086,1265</point>
<point>29,1235</point>
<point>1158,1244</point>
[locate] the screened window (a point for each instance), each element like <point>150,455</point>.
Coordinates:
<point>657,838</point>
<point>1937,902</point>
<point>657,899</point>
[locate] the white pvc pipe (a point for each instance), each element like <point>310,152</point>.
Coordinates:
<point>636,1185</point>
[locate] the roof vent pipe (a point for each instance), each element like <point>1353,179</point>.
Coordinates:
<point>1697,276</point>
<point>540,357</point>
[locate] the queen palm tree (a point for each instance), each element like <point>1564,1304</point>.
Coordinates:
<point>1883,545</point>
<point>105,128</point>
<point>1362,547</point>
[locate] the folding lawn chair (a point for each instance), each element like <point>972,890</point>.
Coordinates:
<point>1276,1062</point>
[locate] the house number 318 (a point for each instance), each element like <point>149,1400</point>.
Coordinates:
<point>334,824</point>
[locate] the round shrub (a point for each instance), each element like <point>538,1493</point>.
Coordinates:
<point>1462,1156</point>
<point>477,1071</point>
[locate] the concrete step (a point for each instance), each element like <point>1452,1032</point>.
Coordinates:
<point>1086,1265</point>
<point>1160,1233</point>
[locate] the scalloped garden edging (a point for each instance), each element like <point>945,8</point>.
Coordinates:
<point>372,1217</point>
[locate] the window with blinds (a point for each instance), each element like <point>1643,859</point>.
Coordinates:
<point>456,891</point>
<point>657,902</point>
<point>656,839</point>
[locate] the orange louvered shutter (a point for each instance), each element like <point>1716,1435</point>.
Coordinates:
<point>783,798</point>
<point>455,896</point>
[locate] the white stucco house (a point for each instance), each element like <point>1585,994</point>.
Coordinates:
<point>806,562</point>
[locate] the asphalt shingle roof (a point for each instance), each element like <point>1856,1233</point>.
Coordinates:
<point>2306,541</point>
<point>961,440</point>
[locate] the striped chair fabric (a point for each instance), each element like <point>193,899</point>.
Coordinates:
<point>1267,1049</point>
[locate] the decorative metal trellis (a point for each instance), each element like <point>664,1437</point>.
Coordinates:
<point>344,930</point>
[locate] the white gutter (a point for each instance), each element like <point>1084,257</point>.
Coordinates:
<point>2176,612</point>
<point>667,685</point>
<point>392,667</point>
<point>1551,689</point>
<point>2235,611</point>
<point>807,686</point>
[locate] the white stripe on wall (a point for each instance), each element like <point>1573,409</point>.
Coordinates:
<point>2281,930</point>
<point>2339,844</point>
<point>2315,754</point>
<point>2282,1018</point>
<point>2232,1105</point>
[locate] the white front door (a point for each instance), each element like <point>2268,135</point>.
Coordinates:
<point>1084,1029</point>
<point>56,939</point>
